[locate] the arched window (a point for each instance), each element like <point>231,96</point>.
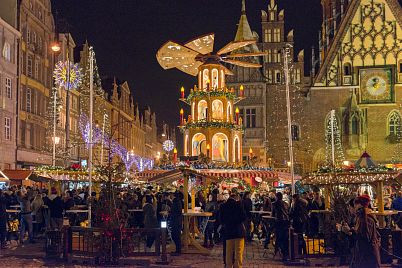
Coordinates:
<point>347,69</point>
<point>217,110</point>
<point>354,125</point>
<point>205,79</point>
<point>215,75</point>
<point>202,110</point>
<point>7,51</point>
<point>198,144</point>
<point>222,79</point>
<point>229,112</point>
<point>220,147</point>
<point>199,80</point>
<point>236,149</point>
<point>394,123</point>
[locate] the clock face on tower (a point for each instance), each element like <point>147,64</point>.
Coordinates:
<point>376,85</point>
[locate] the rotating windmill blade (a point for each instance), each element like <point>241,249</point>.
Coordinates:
<point>190,56</point>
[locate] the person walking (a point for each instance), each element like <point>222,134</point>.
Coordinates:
<point>232,216</point>
<point>281,215</point>
<point>56,207</point>
<point>366,252</point>
<point>176,221</point>
<point>24,198</point>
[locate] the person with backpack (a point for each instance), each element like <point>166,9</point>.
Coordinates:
<point>56,207</point>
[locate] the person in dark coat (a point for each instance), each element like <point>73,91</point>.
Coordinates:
<point>211,206</point>
<point>56,207</point>
<point>176,221</point>
<point>232,216</point>
<point>280,212</point>
<point>299,216</point>
<point>150,220</point>
<point>366,251</point>
<point>248,207</point>
<point>3,220</point>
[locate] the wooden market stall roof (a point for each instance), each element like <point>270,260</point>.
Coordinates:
<point>21,175</point>
<point>352,177</point>
<point>157,176</point>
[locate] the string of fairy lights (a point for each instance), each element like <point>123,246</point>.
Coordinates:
<point>332,125</point>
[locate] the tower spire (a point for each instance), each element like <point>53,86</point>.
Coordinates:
<point>243,7</point>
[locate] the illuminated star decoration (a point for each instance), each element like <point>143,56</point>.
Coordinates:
<point>168,145</point>
<point>61,78</point>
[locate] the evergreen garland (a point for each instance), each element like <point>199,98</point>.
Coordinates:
<point>203,94</point>
<point>213,124</point>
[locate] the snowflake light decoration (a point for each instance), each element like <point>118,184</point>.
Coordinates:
<point>61,78</point>
<point>168,145</point>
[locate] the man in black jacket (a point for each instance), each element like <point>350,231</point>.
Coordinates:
<point>232,216</point>
<point>56,207</point>
<point>281,214</point>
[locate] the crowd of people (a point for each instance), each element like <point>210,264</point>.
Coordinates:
<point>233,221</point>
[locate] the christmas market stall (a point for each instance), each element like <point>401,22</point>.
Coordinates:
<point>365,173</point>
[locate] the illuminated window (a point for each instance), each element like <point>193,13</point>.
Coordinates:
<point>229,112</point>
<point>278,56</point>
<point>205,79</point>
<point>217,110</point>
<point>220,147</point>
<point>236,149</point>
<point>269,39</point>
<point>7,51</point>
<point>394,123</point>
<point>28,100</point>
<point>269,56</point>
<point>198,144</point>
<point>272,15</point>
<point>222,79</point>
<point>266,35</point>
<point>297,75</point>
<point>275,53</point>
<point>215,75</point>
<point>36,69</point>
<point>9,92</point>
<point>7,128</point>
<point>29,66</point>
<point>277,35</point>
<point>202,110</point>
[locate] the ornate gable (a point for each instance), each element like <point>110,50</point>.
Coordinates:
<point>369,35</point>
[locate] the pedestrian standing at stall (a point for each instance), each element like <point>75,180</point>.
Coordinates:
<point>366,252</point>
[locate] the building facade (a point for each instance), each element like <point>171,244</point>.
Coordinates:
<point>9,38</point>
<point>357,73</point>
<point>360,77</point>
<point>36,62</point>
<point>252,109</point>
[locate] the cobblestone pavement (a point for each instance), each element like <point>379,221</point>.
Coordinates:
<point>33,256</point>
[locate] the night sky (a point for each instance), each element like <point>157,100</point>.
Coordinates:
<point>126,35</point>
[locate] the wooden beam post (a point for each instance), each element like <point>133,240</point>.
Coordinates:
<point>380,203</point>
<point>186,233</point>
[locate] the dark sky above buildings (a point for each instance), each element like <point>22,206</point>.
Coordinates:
<point>126,35</point>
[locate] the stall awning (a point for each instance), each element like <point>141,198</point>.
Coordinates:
<point>17,175</point>
<point>349,178</point>
<point>166,176</point>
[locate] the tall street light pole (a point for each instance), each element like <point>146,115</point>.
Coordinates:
<point>54,127</point>
<point>67,126</point>
<point>286,54</point>
<point>91,104</point>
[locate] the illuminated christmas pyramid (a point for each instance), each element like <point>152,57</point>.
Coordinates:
<point>214,127</point>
